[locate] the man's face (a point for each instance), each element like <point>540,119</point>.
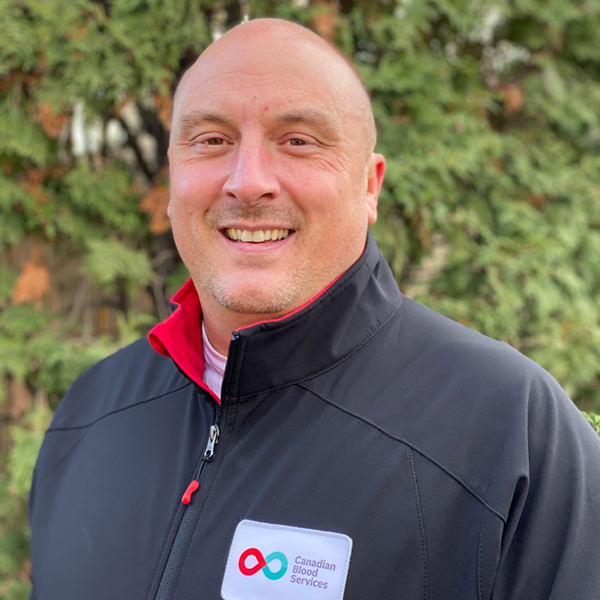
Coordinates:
<point>272,187</point>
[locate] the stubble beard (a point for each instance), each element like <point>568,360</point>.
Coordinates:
<point>252,300</point>
<point>275,299</point>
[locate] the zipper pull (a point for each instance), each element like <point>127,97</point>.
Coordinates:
<point>187,496</point>
<point>213,438</point>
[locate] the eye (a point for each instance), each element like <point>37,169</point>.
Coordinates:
<point>214,141</point>
<point>297,142</point>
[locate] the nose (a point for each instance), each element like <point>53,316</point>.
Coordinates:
<point>251,178</point>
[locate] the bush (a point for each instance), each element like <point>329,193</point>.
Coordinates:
<point>490,212</point>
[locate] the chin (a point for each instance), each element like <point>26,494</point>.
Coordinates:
<point>256,300</point>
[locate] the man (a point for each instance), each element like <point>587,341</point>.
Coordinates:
<point>299,429</point>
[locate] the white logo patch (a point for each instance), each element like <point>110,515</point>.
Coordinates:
<point>275,562</point>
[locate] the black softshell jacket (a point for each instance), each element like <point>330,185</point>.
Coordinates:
<point>458,467</point>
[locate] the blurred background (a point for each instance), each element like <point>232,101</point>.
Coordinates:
<point>488,113</point>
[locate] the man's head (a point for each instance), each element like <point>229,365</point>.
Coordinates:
<point>272,136</point>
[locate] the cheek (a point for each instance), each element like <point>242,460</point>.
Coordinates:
<point>337,208</point>
<point>185,185</point>
<point>194,184</point>
<point>318,191</point>
<point>185,201</point>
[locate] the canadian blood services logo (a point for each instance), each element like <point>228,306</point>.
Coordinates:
<point>262,563</point>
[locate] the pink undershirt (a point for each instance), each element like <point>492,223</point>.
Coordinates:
<point>214,365</point>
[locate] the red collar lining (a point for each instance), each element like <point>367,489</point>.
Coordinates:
<point>180,336</point>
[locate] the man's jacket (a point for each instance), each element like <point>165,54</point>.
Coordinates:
<point>363,443</point>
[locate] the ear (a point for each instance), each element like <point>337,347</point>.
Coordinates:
<point>170,175</point>
<point>374,183</point>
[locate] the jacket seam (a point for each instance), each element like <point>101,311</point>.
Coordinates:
<point>413,470</point>
<point>328,368</point>
<point>61,460</point>
<point>118,410</point>
<point>479,559</point>
<point>400,439</point>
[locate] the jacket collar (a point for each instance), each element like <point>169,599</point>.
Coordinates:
<point>307,342</point>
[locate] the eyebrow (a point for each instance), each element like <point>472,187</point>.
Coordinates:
<point>197,118</point>
<point>311,118</point>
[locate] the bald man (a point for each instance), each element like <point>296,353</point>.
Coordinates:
<point>297,429</point>
<point>270,141</point>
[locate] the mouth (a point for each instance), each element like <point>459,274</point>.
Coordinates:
<point>256,237</point>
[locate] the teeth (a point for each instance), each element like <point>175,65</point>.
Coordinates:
<point>257,236</point>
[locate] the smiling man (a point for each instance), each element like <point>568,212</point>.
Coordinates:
<point>298,429</point>
<point>273,175</point>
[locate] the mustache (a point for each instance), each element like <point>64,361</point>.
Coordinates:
<point>222,216</point>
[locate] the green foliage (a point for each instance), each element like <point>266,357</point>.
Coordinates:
<point>109,261</point>
<point>177,278</point>
<point>594,421</point>
<point>7,282</point>
<point>27,439</point>
<point>67,70</point>
<point>22,139</point>
<point>102,197</point>
<point>493,147</point>
<point>489,118</point>
<point>14,490</point>
<point>53,367</point>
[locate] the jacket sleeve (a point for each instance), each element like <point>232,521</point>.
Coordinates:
<point>551,541</point>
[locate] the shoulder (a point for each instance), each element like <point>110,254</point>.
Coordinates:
<point>474,407</point>
<point>132,375</point>
<point>484,411</point>
<point>460,358</point>
<point>423,360</point>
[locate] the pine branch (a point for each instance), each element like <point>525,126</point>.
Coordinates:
<point>133,144</point>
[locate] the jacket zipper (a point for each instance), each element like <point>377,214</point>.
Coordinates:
<point>213,438</point>
<point>188,496</point>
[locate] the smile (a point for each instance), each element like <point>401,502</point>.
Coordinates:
<point>262,235</point>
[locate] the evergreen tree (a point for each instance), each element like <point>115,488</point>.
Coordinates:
<point>488,114</point>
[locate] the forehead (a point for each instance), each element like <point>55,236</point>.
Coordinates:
<point>265,76</point>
